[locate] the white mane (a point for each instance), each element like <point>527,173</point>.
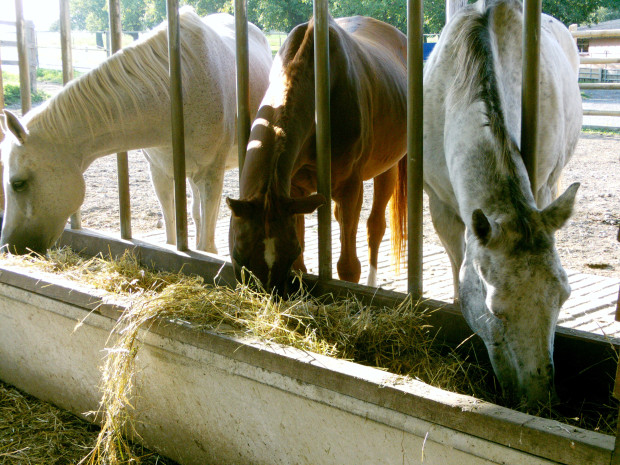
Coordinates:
<point>137,73</point>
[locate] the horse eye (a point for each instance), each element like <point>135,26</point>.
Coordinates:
<point>18,186</point>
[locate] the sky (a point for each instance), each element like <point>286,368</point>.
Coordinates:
<point>42,12</point>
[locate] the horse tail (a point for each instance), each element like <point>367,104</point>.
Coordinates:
<point>398,214</point>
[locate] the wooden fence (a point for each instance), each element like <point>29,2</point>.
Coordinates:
<point>31,46</point>
<point>599,78</point>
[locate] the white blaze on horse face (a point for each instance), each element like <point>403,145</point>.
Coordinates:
<point>270,252</point>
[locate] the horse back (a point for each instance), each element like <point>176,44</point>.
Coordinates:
<point>455,81</point>
<point>371,70</point>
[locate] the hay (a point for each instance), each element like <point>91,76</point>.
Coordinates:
<point>36,432</point>
<point>395,339</point>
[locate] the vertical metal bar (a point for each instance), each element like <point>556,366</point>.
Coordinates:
<point>65,42</point>
<point>243,80</point>
<point>323,134</point>
<point>529,95</point>
<point>1,84</point>
<point>22,54</point>
<point>67,73</point>
<point>415,56</point>
<point>122,163</point>
<point>176,119</point>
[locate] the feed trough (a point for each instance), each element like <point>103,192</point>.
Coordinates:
<point>203,397</point>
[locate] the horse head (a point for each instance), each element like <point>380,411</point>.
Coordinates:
<point>40,191</point>
<point>263,236</point>
<point>512,287</point>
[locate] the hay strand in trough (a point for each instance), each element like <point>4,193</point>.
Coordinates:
<point>396,339</point>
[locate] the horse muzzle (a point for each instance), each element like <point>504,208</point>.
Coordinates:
<point>23,244</point>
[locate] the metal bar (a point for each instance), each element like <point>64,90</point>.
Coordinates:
<point>598,61</point>
<point>65,42</point>
<point>1,84</point>
<point>601,112</point>
<point>67,72</point>
<point>323,134</point>
<point>600,85</point>
<point>176,120</point>
<point>600,34</point>
<point>22,53</point>
<point>415,115</point>
<point>122,162</point>
<point>529,95</point>
<point>243,80</point>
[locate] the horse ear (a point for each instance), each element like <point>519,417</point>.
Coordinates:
<point>4,129</point>
<point>306,204</point>
<point>481,226</point>
<point>560,210</point>
<point>15,126</point>
<point>240,208</point>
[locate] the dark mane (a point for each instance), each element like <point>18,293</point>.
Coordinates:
<point>476,79</point>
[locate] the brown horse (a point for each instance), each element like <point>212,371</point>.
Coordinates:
<point>368,138</point>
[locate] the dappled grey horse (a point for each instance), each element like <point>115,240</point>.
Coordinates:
<point>498,234</point>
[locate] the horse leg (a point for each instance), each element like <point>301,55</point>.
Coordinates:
<point>195,209</point>
<point>209,187</point>
<point>349,195</point>
<point>298,264</point>
<point>164,189</point>
<point>451,232</point>
<point>383,186</point>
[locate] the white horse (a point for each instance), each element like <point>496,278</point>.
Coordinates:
<point>124,104</point>
<point>507,273</point>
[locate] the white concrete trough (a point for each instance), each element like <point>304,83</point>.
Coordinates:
<point>204,398</point>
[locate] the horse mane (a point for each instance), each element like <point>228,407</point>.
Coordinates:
<point>298,74</point>
<point>136,73</point>
<point>476,80</point>
<point>297,65</point>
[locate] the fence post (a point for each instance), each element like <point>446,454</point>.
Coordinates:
<point>323,134</point>
<point>178,127</point>
<point>529,94</point>
<point>243,80</point>
<point>33,57</point>
<point>415,115</point>
<point>67,73</point>
<point>122,164</point>
<point>65,42</point>
<point>22,53</point>
<point>1,84</point>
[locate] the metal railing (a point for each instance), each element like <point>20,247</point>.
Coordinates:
<point>603,78</point>
<point>414,119</point>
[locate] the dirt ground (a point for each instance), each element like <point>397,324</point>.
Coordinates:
<point>586,244</point>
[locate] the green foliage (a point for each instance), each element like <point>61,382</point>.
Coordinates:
<point>577,11</point>
<point>9,78</point>
<point>283,15</point>
<point>12,95</point>
<point>49,75</point>
<point>53,75</point>
<point>603,13</point>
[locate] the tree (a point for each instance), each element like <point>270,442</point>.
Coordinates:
<point>89,15</point>
<point>575,11</point>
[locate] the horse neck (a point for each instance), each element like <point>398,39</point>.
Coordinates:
<point>90,126</point>
<point>282,126</point>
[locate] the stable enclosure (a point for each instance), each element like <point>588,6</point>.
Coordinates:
<point>207,398</point>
